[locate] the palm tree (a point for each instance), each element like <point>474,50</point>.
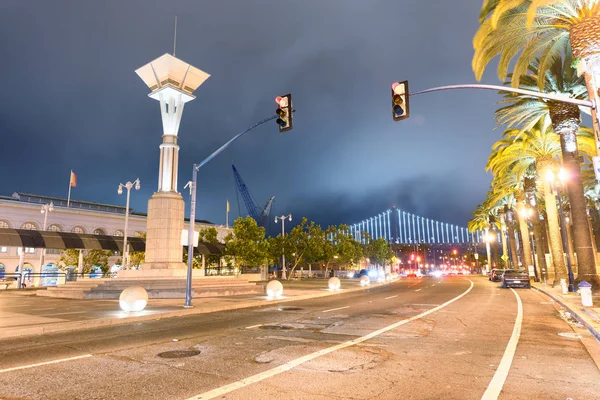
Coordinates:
<point>526,111</point>
<point>511,187</point>
<point>515,154</point>
<point>530,29</point>
<point>480,222</point>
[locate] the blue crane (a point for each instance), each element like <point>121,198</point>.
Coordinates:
<point>261,217</point>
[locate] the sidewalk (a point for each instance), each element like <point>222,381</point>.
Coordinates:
<point>22,313</point>
<point>587,316</point>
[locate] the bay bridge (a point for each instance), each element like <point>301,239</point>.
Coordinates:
<point>401,227</point>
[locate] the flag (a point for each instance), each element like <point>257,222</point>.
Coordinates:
<point>228,206</point>
<point>73,181</point>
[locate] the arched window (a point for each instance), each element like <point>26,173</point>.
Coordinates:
<point>78,229</point>
<point>32,226</point>
<point>99,231</point>
<point>138,234</point>
<point>4,224</point>
<point>118,232</point>
<point>55,228</point>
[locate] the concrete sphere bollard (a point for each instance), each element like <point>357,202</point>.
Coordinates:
<point>133,298</point>
<point>274,289</point>
<point>365,280</point>
<point>334,283</point>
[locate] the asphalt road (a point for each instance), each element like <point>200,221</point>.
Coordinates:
<point>414,339</point>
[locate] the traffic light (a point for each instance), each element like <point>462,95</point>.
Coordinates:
<point>284,113</point>
<point>400,106</point>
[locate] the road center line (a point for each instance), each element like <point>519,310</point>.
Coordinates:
<point>418,290</point>
<point>294,363</point>
<point>253,326</point>
<point>335,309</point>
<point>495,387</point>
<point>44,363</point>
<point>391,297</point>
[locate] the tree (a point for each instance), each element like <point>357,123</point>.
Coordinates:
<point>524,112</point>
<point>519,151</point>
<point>247,243</point>
<point>379,252</point>
<point>523,31</point>
<point>210,235</point>
<point>70,257</point>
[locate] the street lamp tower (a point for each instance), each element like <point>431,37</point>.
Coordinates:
<point>46,208</point>
<point>282,218</point>
<point>128,186</point>
<point>172,83</point>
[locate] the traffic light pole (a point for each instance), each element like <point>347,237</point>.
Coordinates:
<point>196,167</point>
<point>584,103</point>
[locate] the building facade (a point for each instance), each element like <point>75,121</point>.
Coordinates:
<point>23,211</point>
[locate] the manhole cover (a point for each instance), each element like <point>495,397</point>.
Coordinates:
<point>570,335</point>
<point>276,327</point>
<point>289,309</point>
<point>179,353</point>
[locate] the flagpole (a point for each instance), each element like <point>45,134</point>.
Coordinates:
<point>69,196</point>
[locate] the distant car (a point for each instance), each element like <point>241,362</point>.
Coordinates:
<point>516,278</point>
<point>496,275</point>
<point>361,273</point>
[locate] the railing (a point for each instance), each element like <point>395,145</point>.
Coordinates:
<point>26,279</point>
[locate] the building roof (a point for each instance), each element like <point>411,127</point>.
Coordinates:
<point>78,204</point>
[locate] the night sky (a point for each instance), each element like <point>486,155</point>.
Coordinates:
<point>70,100</point>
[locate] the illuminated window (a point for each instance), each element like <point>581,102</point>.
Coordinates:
<point>78,229</point>
<point>32,226</point>
<point>138,234</point>
<point>99,231</point>
<point>4,224</point>
<point>119,232</point>
<point>28,250</point>
<point>55,228</point>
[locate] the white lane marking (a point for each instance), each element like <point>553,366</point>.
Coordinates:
<point>253,326</point>
<point>418,290</point>
<point>44,363</point>
<point>495,387</point>
<point>211,394</point>
<point>391,297</point>
<point>335,309</point>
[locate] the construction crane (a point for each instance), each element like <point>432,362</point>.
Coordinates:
<point>262,218</point>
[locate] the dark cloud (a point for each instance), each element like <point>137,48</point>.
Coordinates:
<point>70,99</point>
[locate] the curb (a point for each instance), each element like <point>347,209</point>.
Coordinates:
<point>578,317</point>
<point>57,327</point>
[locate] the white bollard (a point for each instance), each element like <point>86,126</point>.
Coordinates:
<point>365,280</point>
<point>274,289</point>
<point>334,283</point>
<point>586,294</point>
<point>134,298</point>
<point>563,285</point>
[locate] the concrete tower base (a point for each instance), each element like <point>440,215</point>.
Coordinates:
<point>163,233</point>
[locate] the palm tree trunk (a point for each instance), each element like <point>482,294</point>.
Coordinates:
<point>556,248</point>
<point>487,249</point>
<point>512,243</point>
<point>581,234</point>
<point>539,247</point>
<point>503,230</point>
<point>527,259</point>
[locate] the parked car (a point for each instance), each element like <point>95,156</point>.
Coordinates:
<point>516,278</point>
<point>496,275</point>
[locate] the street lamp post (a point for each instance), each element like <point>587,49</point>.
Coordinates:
<point>282,218</point>
<point>128,186</point>
<point>46,208</point>
<point>551,177</point>
<point>193,186</point>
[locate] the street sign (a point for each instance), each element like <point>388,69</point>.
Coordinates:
<point>504,257</point>
<point>596,161</point>
<point>476,256</point>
